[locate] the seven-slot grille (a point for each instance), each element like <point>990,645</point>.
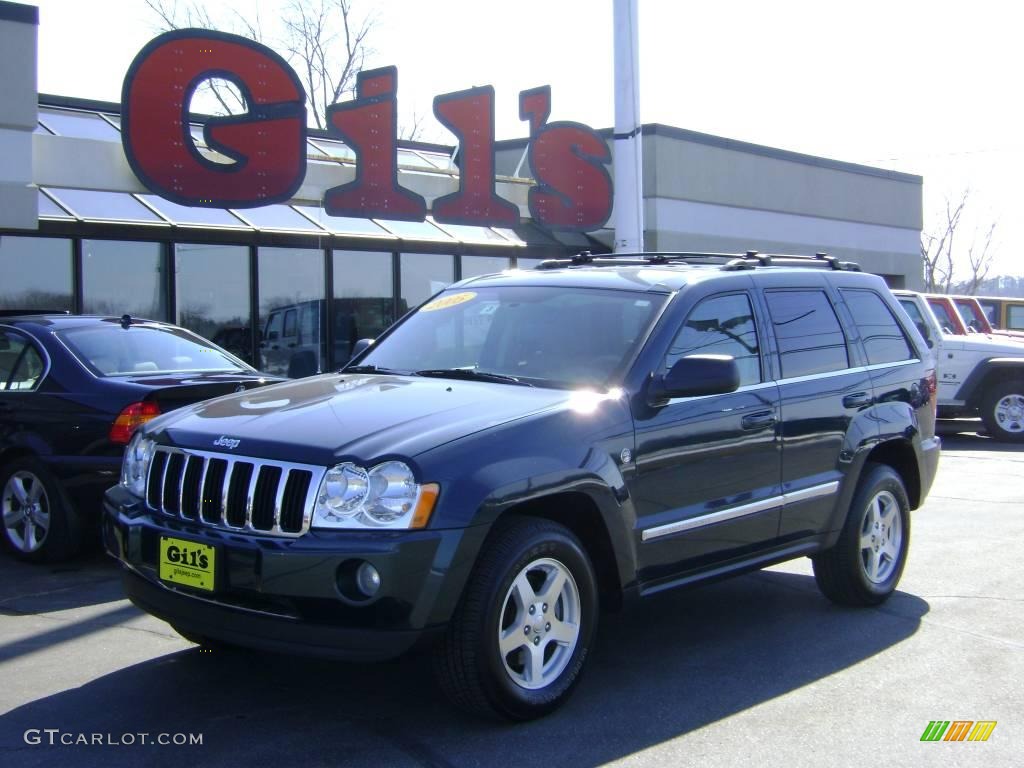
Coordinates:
<point>236,493</point>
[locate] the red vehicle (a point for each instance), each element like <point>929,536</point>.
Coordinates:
<point>974,317</point>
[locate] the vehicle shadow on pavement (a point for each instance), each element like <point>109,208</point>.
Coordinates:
<point>961,436</point>
<point>659,670</point>
<point>91,579</point>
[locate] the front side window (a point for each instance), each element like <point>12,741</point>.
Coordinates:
<point>107,349</point>
<point>553,337</point>
<point>808,332</point>
<point>946,321</point>
<point>721,325</point>
<point>884,340</point>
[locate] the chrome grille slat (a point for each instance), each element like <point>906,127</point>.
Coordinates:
<point>224,493</point>
<point>179,477</point>
<point>279,500</point>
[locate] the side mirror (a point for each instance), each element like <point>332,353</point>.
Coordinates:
<point>361,346</point>
<point>697,375</point>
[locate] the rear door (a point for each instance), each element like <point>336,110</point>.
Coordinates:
<point>823,386</point>
<point>709,467</point>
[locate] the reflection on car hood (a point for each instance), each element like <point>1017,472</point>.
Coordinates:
<point>362,416</point>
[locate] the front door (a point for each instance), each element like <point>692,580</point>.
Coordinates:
<point>709,468</point>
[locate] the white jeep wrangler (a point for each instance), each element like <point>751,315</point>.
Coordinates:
<point>978,375</point>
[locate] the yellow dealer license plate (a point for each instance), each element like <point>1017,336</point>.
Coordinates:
<point>187,563</point>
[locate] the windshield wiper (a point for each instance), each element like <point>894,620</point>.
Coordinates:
<point>472,375</point>
<point>372,369</point>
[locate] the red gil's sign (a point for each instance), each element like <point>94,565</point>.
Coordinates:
<point>267,144</point>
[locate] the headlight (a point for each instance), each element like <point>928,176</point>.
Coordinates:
<point>135,467</point>
<point>385,496</point>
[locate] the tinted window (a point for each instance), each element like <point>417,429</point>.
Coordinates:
<point>28,371</point>
<point>881,335</point>
<point>721,325</point>
<point>122,278</point>
<point>11,347</point>
<point>46,284</point>
<point>547,336</point>
<point>110,350</point>
<point>363,299</point>
<point>212,290</point>
<point>808,332</point>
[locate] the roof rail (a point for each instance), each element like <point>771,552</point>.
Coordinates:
<point>22,312</point>
<point>727,261</point>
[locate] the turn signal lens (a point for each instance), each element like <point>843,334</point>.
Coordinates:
<point>130,419</point>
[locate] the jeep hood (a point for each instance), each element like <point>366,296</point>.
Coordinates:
<point>364,417</point>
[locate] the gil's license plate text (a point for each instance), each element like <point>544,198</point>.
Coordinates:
<point>187,563</point>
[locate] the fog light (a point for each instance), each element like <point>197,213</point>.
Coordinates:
<point>367,579</point>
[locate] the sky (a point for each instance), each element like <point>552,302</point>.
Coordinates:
<point>928,88</point>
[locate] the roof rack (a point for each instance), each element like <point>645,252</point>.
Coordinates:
<point>727,261</point>
<point>29,312</point>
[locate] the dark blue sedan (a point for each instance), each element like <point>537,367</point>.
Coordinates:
<point>73,389</point>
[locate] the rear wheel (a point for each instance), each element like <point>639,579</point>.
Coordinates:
<point>521,634</point>
<point>865,565</point>
<point>1002,410</point>
<point>39,521</point>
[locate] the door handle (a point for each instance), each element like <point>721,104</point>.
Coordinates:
<point>858,400</point>
<point>759,420</point>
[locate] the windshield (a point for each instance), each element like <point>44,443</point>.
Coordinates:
<point>557,337</point>
<point>108,349</point>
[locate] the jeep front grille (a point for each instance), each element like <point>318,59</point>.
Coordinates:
<point>233,493</point>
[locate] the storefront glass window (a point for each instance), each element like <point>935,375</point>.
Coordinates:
<point>474,266</point>
<point>212,291</point>
<point>35,273</point>
<point>122,277</point>
<point>292,302</point>
<point>423,275</point>
<point>363,302</point>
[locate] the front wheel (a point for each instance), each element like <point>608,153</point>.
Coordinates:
<point>521,634</point>
<point>865,564</point>
<point>1002,410</point>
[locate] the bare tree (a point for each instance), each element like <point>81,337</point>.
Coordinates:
<point>325,40</point>
<point>937,249</point>
<point>980,258</point>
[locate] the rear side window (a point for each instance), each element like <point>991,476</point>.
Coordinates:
<point>721,325</point>
<point>883,338</point>
<point>21,366</point>
<point>808,332</point>
<point>1015,317</point>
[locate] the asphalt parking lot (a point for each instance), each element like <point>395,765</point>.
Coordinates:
<point>757,671</point>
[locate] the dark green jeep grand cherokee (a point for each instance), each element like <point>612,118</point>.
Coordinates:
<point>526,448</point>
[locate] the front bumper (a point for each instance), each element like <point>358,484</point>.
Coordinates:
<point>283,594</point>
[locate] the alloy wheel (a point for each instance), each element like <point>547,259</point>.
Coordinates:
<point>26,511</point>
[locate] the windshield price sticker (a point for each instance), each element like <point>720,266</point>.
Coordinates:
<point>449,301</point>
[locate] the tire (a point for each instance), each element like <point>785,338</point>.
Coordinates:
<point>1002,410</point>
<point>40,523</point>
<point>519,571</point>
<point>866,563</point>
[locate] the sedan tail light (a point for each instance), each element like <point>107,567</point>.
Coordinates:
<point>130,419</point>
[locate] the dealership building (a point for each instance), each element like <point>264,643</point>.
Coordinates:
<point>79,231</point>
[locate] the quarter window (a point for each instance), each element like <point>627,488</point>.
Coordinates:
<point>27,372</point>
<point>808,332</point>
<point>721,325</point>
<point>884,340</point>
<point>11,347</point>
